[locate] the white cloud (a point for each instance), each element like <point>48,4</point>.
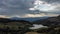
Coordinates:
<point>42,6</point>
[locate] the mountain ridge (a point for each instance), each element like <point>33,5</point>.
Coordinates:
<point>28,19</point>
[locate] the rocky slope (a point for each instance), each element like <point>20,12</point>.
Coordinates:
<point>49,21</point>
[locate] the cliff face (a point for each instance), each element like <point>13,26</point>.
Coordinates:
<point>49,21</point>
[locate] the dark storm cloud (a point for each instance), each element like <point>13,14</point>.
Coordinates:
<point>15,7</point>
<point>19,7</point>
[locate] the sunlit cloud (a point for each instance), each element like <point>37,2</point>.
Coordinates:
<point>42,6</point>
<point>34,15</point>
<point>4,16</point>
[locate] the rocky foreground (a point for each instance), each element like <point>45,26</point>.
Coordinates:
<point>8,26</point>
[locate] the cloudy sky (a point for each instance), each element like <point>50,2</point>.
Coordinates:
<point>29,8</point>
